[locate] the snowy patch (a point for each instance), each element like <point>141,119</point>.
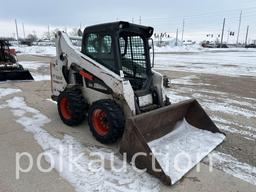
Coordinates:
<point>18,112</point>
<point>229,63</point>
<point>39,77</point>
<point>187,80</point>
<point>33,65</point>
<point>247,135</point>
<point>179,49</point>
<point>83,179</point>
<point>176,98</point>
<point>223,104</point>
<point>8,91</point>
<point>218,101</point>
<point>36,50</point>
<point>232,166</point>
<point>224,107</point>
<point>183,148</point>
<point>223,121</point>
<point>55,102</point>
<point>246,131</point>
<point>184,80</point>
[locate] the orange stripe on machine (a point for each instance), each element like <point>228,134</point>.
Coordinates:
<point>86,75</point>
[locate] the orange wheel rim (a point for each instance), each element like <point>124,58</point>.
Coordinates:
<point>64,108</point>
<point>100,122</point>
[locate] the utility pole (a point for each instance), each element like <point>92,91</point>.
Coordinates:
<point>49,35</point>
<point>222,34</point>
<point>17,32</point>
<point>183,27</point>
<point>239,27</point>
<point>247,32</point>
<point>132,20</point>
<point>140,20</point>
<point>177,35</point>
<point>24,34</point>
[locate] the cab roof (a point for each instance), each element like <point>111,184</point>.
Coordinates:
<point>120,26</point>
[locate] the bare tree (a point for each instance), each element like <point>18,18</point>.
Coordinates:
<point>74,32</point>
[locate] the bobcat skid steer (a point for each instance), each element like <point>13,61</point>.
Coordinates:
<point>9,68</point>
<point>112,81</point>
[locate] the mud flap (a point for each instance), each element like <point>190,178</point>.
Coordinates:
<point>15,75</point>
<point>153,140</point>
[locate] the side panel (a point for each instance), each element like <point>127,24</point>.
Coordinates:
<point>92,95</point>
<point>58,82</point>
<point>158,83</point>
<point>128,95</point>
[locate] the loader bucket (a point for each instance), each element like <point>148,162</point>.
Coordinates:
<point>15,75</point>
<point>170,141</point>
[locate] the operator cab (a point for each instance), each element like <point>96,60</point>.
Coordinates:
<point>121,46</point>
<point>7,55</point>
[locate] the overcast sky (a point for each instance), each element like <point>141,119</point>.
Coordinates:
<point>201,16</point>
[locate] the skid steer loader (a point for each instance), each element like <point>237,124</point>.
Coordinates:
<point>112,81</point>
<point>9,68</point>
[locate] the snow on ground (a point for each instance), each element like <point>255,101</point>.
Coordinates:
<point>39,77</point>
<point>196,48</point>
<point>37,69</point>
<point>33,121</point>
<point>219,102</point>
<point>38,50</point>
<point>186,80</point>
<point>194,144</point>
<point>35,50</point>
<point>192,58</point>
<point>229,63</point>
<point>175,97</point>
<point>223,105</point>
<point>8,91</point>
<point>33,65</point>
<point>68,149</point>
<point>5,92</point>
<point>173,49</point>
<point>231,165</point>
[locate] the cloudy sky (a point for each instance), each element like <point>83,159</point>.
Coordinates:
<point>201,16</point>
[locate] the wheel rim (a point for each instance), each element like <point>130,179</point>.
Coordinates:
<point>64,107</point>
<point>100,122</point>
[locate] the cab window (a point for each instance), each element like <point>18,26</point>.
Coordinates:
<point>99,48</point>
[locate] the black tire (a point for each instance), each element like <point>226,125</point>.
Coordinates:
<point>72,106</point>
<point>113,119</point>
